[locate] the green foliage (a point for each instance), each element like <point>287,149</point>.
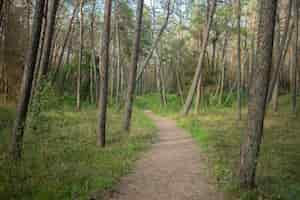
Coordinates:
<point>152,102</point>
<point>219,135</point>
<point>63,161</point>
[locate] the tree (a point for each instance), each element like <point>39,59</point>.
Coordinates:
<point>22,109</point>
<point>156,42</point>
<point>133,70</point>
<point>239,101</point>
<point>104,66</point>
<point>189,100</point>
<point>258,93</point>
<point>48,38</point>
<point>65,42</point>
<point>295,57</point>
<point>80,57</point>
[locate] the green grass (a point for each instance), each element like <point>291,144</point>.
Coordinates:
<point>152,102</point>
<point>217,132</point>
<point>61,159</point>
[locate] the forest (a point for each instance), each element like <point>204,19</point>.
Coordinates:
<point>149,100</point>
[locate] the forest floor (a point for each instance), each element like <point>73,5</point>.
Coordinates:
<point>218,134</point>
<point>61,159</point>
<point>173,169</point>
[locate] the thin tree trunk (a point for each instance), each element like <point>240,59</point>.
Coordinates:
<point>104,74</point>
<point>133,70</point>
<point>283,50</point>
<point>67,38</point>
<point>156,41</point>
<point>50,29</point>
<point>22,109</point>
<point>198,95</point>
<point>192,90</point>
<point>250,148</point>
<point>224,64</point>
<point>295,57</point>
<point>239,100</point>
<point>78,88</point>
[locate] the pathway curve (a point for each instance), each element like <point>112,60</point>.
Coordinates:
<point>172,170</point>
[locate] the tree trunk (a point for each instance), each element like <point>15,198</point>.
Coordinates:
<point>78,86</point>
<point>192,90</point>
<point>156,41</point>
<point>133,70</point>
<point>104,74</point>
<point>50,29</point>
<point>239,100</point>
<point>67,38</point>
<point>258,94</point>
<point>295,57</point>
<point>282,51</point>
<point>22,109</point>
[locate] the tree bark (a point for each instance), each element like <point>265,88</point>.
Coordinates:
<point>133,70</point>
<point>239,100</point>
<point>22,109</point>
<point>104,67</point>
<point>295,57</point>
<point>258,94</point>
<point>50,29</point>
<point>78,86</point>
<point>282,51</point>
<point>67,38</point>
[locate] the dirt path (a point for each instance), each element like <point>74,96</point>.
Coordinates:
<point>172,170</point>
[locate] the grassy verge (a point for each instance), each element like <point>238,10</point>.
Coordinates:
<point>61,159</point>
<point>219,135</point>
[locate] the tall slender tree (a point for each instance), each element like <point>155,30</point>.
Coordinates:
<point>189,100</point>
<point>49,37</point>
<point>22,109</point>
<point>104,66</point>
<point>239,100</point>
<point>78,87</point>
<point>133,70</point>
<point>65,42</point>
<point>295,57</point>
<point>258,93</point>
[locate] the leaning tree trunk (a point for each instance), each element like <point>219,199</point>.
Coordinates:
<point>104,74</point>
<point>67,38</point>
<point>156,41</point>
<point>49,38</point>
<point>287,31</point>
<point>133,70</point>
<point>22,109</point>
<point>258,94</point>
<point>189,100</point>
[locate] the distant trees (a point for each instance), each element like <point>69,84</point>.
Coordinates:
<point>49,35</point>
<point>189,100</point>
<point>258,93</point>
<point>25,94</point>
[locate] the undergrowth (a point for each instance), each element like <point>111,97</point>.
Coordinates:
<point>218,133</point>
<point>61,159</point>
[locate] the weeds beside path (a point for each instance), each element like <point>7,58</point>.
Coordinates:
<point>173,169</point>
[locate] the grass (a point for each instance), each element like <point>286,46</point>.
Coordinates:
<point>61,159</point>
<point>219,134</point>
